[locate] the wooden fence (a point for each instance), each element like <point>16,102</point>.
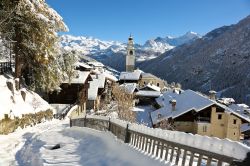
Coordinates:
<point>178,154</point>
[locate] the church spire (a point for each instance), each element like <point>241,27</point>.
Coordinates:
<point>130,57</point>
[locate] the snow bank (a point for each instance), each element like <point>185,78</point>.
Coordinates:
<point>14,105</point>
<point>78,146</point>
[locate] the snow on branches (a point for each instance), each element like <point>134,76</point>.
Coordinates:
<point>34,26</point>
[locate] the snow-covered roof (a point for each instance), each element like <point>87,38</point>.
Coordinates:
<point>101,80</point>
<point>98,82</point>
<point>135,75</point>
<point>80,78</point>
<point>110,76</point>
<point>95,64</point>
<point>243,105</point>
<point>245,127</point>
<point>129,87</point>
<point>240,111</point>
<point>147,93</point>
<point>82,64</point>
<point>185,101</point>
<point>148,75</point>
<point>93,89</point>
<point>152,86</point>
<point>226,101</point>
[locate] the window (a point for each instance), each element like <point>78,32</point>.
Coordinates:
<point>158,84</point>
<point>235,121</point>
<point>131,52</point>
<point>144,83</point>
<point>219,116</point>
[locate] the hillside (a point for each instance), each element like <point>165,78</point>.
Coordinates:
<point>219,60</point>
<point>112,53</point>
<point>20,107</point>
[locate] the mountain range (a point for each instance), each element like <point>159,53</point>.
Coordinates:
<point>112,53</point>
<point>220,61</point>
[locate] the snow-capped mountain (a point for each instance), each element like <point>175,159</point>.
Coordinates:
<point>176,41</point>
<point>89,45</point>
<point>219,60</point>
<point>112,52</point>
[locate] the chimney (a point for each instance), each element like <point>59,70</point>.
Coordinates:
<point>212,94</point>
<point>173,102</point>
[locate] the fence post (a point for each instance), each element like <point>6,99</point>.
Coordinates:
<point>70,122</point>
<point>109,125</point>
<point>85,121</point>
<point>127,135</point>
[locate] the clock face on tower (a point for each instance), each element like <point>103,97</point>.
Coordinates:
<point>130,52</point>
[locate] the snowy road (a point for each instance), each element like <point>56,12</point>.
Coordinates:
<point>79,146</point>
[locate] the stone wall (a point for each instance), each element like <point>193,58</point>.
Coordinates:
<point>8,125</point>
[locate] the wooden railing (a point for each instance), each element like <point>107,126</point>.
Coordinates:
<point>4,67</point>
<point>178,154</point>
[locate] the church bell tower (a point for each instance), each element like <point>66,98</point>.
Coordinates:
<point>130,57</point>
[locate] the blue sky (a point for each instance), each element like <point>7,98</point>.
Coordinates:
<point>147,19</point>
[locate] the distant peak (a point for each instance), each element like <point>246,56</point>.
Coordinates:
<point>191,32</point>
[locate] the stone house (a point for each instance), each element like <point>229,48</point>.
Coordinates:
<point>148,78</point>
<point>130,77</point>
<point>147,94</point>
<point>141,78</point>
<point>192,112</point>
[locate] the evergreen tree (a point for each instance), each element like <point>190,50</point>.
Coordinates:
<point>33,27</point>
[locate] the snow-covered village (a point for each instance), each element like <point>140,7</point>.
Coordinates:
<point>96,83</point>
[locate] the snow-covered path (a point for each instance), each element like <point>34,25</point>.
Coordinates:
<point>79,146</point>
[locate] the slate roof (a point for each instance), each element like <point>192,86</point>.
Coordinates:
<point>82,64</point>
<point>240,111</point>
<point>186,101</point>
<point>152,86</point>
<point>80,77</point>
<point>226,101</point>
<point>110,76</point>
<point>135,75</point>
<point>95,64</point>
<point>245,127</point>
<point>93,89</point>
<point>146,75</point>
<point>98,82</point>
<point>148,93</point>
<point>129,87</point>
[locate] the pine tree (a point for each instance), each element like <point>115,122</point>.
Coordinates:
<point>33,27</point>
